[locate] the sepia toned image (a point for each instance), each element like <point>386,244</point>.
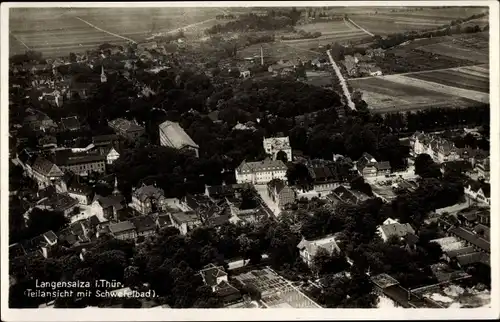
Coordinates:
<point>248,156</point>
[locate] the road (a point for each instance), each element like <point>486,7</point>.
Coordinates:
<point>19,40</point>
<point>360,28</point>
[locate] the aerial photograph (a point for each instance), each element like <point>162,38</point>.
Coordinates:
<point>249,157</point>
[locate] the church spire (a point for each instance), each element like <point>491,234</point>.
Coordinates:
<point>104,79</point>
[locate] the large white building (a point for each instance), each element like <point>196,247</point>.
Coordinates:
<point>260,172</point>
<point>172,135</point>
<point>439,149</point>
<point>273,146</point>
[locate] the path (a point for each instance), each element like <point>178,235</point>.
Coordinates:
<point>420,72</point>
<point>342,81</point>
<point>19,40</point>
<point>359,27</point>
<point>108,32</point>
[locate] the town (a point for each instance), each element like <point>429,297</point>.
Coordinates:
<point>213,170</point>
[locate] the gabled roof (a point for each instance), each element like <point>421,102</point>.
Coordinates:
<point>143,223</point>
<point>50,237</point>
<point>121,227</point>
<point>482,229</point>
<point>124,125</point>
<point>184,217</point>
<point>60,202</point>
<point>115,201</point>
<point>471,238</point>
<point>472,258</point>
<point>261,166</point>
<point>46,168</point>
<point>176,135</point>
<point>211,273</point>
<point>164,220</point>
<point>344,195</point>
<point>397,229</point>
<point>148,191</point>
<point>70,123</point>
<point>312,246</point>
<point>383,165</point>
<point>277,185</point>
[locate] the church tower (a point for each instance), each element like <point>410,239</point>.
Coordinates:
<point>104,79</point>
<point>116,191</point>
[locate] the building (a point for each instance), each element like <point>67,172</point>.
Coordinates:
<point>280,193</point>
<point>70,123</point>
<point>324,177</point>
<point>60,202</point>
<point>80,192</point>
<point>172,135</point>
<point>44,172</point>
<point>392,228</point>
<point>278,145</point>
<point>309,249</point>
<point>185,221</point>
<point>163,220</point>
<point>216,278</point>
<point>80,163</point>
<point>480,191</point>
<point>126,128</point>
<point>144,225</point>
<point>260,172</point>
<point>109,206</point>
<point>439,149</point>
<point>368,166</point>
<point>483,169</point>
<point>148,199</point>
<point>123,230</point>
<point>342,195</point>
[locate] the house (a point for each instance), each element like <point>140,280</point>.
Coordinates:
<point>219,191</point>
<point>47,141</point>
<point>244,73</point>
<point>383,168</point>
<point>366,165</point>
<point>216,278</point>
<point>105,140</point>
<point>247,215</point>
<point>260,172</point>
<point>60,202</point>
<point>483,169</point>
<point>70,123</point>
<point>163,220</point>
<point>148,199</point>
<point>439,149</point>
<point>123,230</point>
<point>324,177</point>
<point>185,221</point>
<point>479,191</point>
<point>42,244</point>
<point>108,207</point>
<point>350,64</point>
<point>80,163</point>
<point>126,128</point>
<point>394,229</point>
<point>375,71</point>
<point>278,145</point>
<point>342,195</point>
<point>144,225</point>
<point>471,239</point>
<point>309,249</point>
<point>281,67</point>
<point>80,192</point>
<point>280,193</point>
<point>44,172</point>
<point>172,135</point>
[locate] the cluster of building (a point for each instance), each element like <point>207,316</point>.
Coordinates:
<point>363,65</point>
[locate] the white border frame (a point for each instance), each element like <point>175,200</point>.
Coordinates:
<point>90,314</point>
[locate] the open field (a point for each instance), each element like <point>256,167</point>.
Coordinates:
<point>391,95</point>
<point>465,48</point>
<point>384,22</point>
<point>456,78</point>
<point>281,50</point>
<point>57,31</point>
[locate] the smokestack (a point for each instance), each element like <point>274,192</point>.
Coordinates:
<point>261,56</point>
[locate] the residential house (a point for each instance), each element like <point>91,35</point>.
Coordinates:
<point>483,169</point>
<point>80,163</point>
<point>216,278</point>
<point>81,192</point>
<point>280,193</point>
<point>44,172</point>
<point>70,123</point>
<point>148,199</point>
<point>172,135</point>
<point>105,140</point>
<point>324,177</point>
<point>439,149</point>
<point>144,225</point>
<point>350,64</point>
<point>308,249</point>
<point>479,243</point>
<point>383,168</point>
<point>479,191</point>
<point>220,191</point>
<point>245,74</point>
<point>108,207</point>
<point>282,67</point>
<point>42,244</point>
<point>60,202</point>
<point>260,172</point>
<point>342,195</point>
<point>377,52</point>
<point>368,166</point>
<point>394,229</point>
<point>39,121</point>
<point>375,71</point>
<point>163,220</point>
<point>277,145</point>
<point>249,216</point>
<point>124,230</point>
<point>185,221</point>
<point>47,142</point>
<point>126,128</point>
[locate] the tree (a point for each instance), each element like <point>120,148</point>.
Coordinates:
<point>41,221</point>
<point>425,167</point>
<point>132,276</point>
<point>72,57</point>
<point>281,155</point>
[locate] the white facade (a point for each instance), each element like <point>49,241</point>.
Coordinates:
<point>274,145</point>
<point>260,172</point>
<point>112,156</point>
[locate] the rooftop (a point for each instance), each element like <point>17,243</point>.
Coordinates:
<point>121,227</point>
<point>176,135</point>
<point>384,280</point>
<point>148,191</point>
<point>260,166</point>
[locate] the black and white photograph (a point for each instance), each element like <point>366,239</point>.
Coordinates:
<point>249,155</point>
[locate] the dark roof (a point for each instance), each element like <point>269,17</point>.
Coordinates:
<point>219,220</point>
<point>211,273</point>
<point>472,258</point>
<point>482,229</point>
<point>143,223</point>
<point>121,227</point>
<point>471,238</point>
<point>104,139</point>
<point>227,291</point>
<point>124,125</point>
<point>68,236</point>
<point>444,273</point>
<point>34,244</point>
<point>93,221</point>
<point>164,220</point>
<point>221,190</point>
<point>323,173</point>
<point>16,250</point>
<point>60,202</point>
<point>184,217</point>
<point>383,165</point>
<point>70,123</point>
<point>79,188</point>
<point>66,157</point>
<point>149,191</point>
<point>45,167</point>
<point>50,236</point>
<point>461,251</point>
<point>344,195</point>
<point>276,184</point>
<point>116,201</point>
<point>197,201</point>
<point>476,185</point>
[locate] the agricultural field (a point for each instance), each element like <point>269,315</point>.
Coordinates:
<point>332,31</point>
<point>384,23</point>
<point>403,93</point>
<point>281,50</point>
<point>466,47</point>
<point>57,32</point>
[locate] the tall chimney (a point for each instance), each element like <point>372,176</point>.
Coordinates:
<point>261,56</point>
